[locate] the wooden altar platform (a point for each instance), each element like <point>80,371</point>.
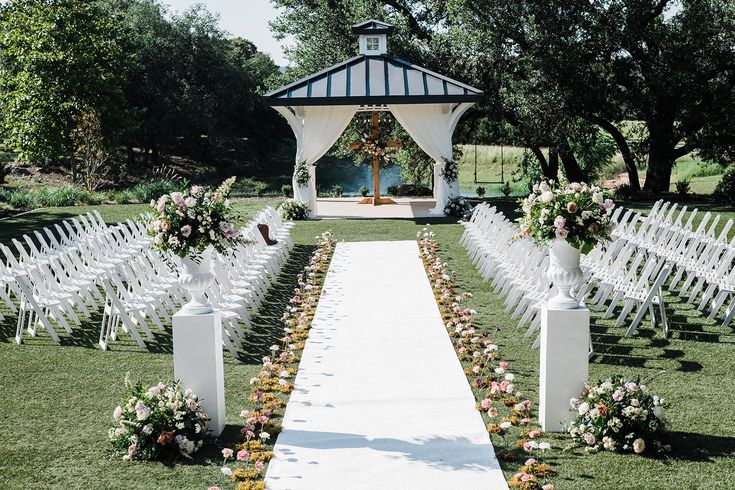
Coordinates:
<point>348,207</point>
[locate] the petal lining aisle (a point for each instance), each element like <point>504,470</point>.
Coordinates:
<point>380,399</point>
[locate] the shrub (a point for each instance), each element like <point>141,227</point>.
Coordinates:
<point>286,190</point>
<point>337,191</point>
<point>156,423</point>
<point>618,414</point>
<point>5,194</point>
<point>480,191</point>
<point>682,188</point>
<point>293,210</point>
<point>20,200</point>
<point>506,189</point>
<point>458,207</point>
<point>148,191</point>
<point>62,196</point>
<point>364,191</point>
<point>623,192</point>
<point>725,190</point>
<point>124,196</point>
<point>408,190</point>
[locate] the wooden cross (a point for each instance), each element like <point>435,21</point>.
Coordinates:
<point>376,200</point>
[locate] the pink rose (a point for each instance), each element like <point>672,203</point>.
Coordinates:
<point>572,207</point>
<point>527,477</point>
<point>503,365</point>
<point>224,226</point>
<point>561,233</point>
<point>259,466</point>
<point>548,486</point>
<point>485,404</point>
<point>492,412</point>
<point>618,395</point>
<point>529,462</point>
<point>186,230</point>
<point>589,438</point>
<point>243,455</point>
<point>227,452</point>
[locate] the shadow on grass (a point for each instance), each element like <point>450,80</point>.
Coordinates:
<point>267,326</point>
<point>688,446</point>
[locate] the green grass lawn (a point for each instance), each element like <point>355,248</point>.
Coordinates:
<point>57,400</point>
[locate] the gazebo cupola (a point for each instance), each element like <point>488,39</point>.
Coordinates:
<point>373,36</point>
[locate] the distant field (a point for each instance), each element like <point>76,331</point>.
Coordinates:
<point>496,161</point>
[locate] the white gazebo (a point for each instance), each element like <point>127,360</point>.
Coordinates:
<point>319,107</point>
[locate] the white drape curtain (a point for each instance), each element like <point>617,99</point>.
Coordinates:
<point>432,126</point>
<point>316,128</point>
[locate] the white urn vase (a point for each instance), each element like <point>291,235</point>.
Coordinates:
<point>564,272</point>
<point>196,278</point>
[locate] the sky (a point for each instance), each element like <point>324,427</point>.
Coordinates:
<point>243,18</point>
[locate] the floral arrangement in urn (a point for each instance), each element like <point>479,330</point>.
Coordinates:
<point>619,414</point>
<point>568,218</point>
<point>159,422</point>
<point>190,224</point>
<point>574,212</point>
<point>187,223</point>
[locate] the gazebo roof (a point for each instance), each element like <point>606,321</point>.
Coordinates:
<point>373,80</point>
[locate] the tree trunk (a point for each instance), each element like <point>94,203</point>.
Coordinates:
<point>661,146</point>
<point>623,148</point>
<point>546,166</point>
<point>660,156</point>
<point>572,169</point>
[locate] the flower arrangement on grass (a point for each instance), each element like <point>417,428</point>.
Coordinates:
<point>450,171</point>
<point>187,223</point>
<point>159,422</point>
<point>458,207</point>
<point>272,384</point>
<point>507,412</point>
<point>619,414</point>
<point>293,210</point>
<point>576,212</point>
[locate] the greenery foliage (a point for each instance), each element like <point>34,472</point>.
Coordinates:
<point>480,191</point>
<point>364,191</point>
<point>408,190</point>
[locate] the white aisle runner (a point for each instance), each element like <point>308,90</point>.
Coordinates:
<point>380,400</point>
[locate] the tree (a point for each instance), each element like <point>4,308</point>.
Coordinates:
<point>57,57</point>
<point>663,62</point>
<point>90,149</point>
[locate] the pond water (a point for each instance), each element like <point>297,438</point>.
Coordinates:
<point>345,174</point>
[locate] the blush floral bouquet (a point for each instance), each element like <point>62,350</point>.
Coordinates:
<point>619,414</point>
<point>156,423</point>
<point>187,223</point>
<point>576,212</point>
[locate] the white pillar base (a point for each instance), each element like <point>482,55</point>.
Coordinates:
<point>198,363</point>
<point>565,338</point>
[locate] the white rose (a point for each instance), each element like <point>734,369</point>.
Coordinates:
<point>547,196</point>
<point>584,408</point>
<point>639,445</point>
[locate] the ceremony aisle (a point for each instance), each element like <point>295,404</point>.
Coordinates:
<point>380,399</point>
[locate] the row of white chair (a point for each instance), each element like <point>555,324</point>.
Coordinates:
<point>86,264</point>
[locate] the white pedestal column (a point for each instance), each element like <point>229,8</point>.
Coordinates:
<point>565,338</point>
<point>198,362</point>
